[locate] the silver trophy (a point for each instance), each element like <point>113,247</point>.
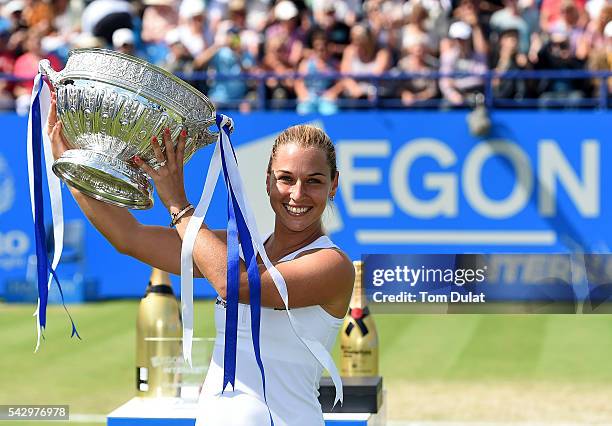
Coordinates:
<point>111,105</point>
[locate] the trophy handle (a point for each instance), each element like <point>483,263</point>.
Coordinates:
<point>44,66</point>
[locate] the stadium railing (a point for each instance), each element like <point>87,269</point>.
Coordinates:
<point>388,86</point>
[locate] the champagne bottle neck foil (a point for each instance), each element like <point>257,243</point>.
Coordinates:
<point>159,283</point>
<point>358,299</point>
<point>159,289</point>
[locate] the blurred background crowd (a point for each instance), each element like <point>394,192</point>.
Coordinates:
<point>319,55</point>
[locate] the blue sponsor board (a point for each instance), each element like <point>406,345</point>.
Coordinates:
<point>410,182</point>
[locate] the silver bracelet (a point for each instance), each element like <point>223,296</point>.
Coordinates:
<point>178,216</point>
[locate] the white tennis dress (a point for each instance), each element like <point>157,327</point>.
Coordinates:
<point>292,372</point>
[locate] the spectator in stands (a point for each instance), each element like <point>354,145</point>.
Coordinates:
<point>551,14</point>
<point>467,53</point>
<point>38,14</point>
<point>290,36</point>
<point>102,18</point>
<point>318,94</point>
<point>337,32</point>
<point>530,12</point>
<point>569,23</point>
<point>191,28</point>
<point>510,18</point>
<point>384,19</point>
<point>417,59</point>
<point>178,60</point>
<point>601,60</point>
<point>346,11</point>
<point>437,23</point>
<point>61,28</point>
<point>594,37</point>
<point>283,49</point>
<point>556,54</point>
<point>26,66</point>
<point>158,19</point>
<point>230,59</point>
<point>236,22</point>
<point>416,28</point>
<point>363,57</point>
<point>12,12</point>
<point>67,18</point>
<point>509,58</point>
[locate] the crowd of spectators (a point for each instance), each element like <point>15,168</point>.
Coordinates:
<point>295,49</point>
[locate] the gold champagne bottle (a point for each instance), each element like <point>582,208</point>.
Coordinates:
<point>158,339</point>
<point>359,339</point>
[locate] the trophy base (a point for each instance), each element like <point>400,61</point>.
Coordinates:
<point>105,178</point>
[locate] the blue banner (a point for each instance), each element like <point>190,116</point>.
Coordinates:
<point>410,182</point>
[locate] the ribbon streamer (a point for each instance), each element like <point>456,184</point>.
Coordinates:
<point>239,236</point>
<point>39,111</point>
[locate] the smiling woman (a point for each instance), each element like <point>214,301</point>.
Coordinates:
<point>301,177</point>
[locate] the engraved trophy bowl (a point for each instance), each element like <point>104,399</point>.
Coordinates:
<point>111,105</point>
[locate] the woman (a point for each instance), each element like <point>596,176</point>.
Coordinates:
<point>318,93</point>
<point>363,56</point>
<point>301,177</point>
<point>417,60</point>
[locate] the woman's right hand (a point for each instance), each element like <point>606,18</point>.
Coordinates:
<point>59,144</point>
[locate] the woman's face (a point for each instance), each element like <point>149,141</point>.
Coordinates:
<point>299,185</point>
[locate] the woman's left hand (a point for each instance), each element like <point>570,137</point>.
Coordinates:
<point>168,178</point>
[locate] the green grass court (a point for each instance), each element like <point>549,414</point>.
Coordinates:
<point>502,368</point>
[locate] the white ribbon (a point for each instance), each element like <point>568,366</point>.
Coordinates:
<point>195,222</point>
<point>53,182</point>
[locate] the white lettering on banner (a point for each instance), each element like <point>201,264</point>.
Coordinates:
<point>472,187</point>
<point>352,176</point>
<point>553,166</point>
<point>445,203</point>
<point>14,243</point>
<point>7,186</point>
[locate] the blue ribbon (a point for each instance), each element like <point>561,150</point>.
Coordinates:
<point>238,234</point>
<point>233,286</point>
<point>43,264</point>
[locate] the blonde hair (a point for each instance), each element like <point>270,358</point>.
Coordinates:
<point>306,136</point>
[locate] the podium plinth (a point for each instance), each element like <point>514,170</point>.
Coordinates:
<point>178,412</point>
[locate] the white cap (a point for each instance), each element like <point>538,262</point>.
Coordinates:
<point>173,36</point>
<point>460,30</point>
<point>191,8</point>
<point>123,36</point>
<point>608,29</point>
<point>12,7</point>
<point>285,10</point>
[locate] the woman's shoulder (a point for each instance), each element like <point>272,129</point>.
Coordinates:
<point>324,251</point>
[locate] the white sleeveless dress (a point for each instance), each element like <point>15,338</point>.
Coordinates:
<point>292,372</point>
